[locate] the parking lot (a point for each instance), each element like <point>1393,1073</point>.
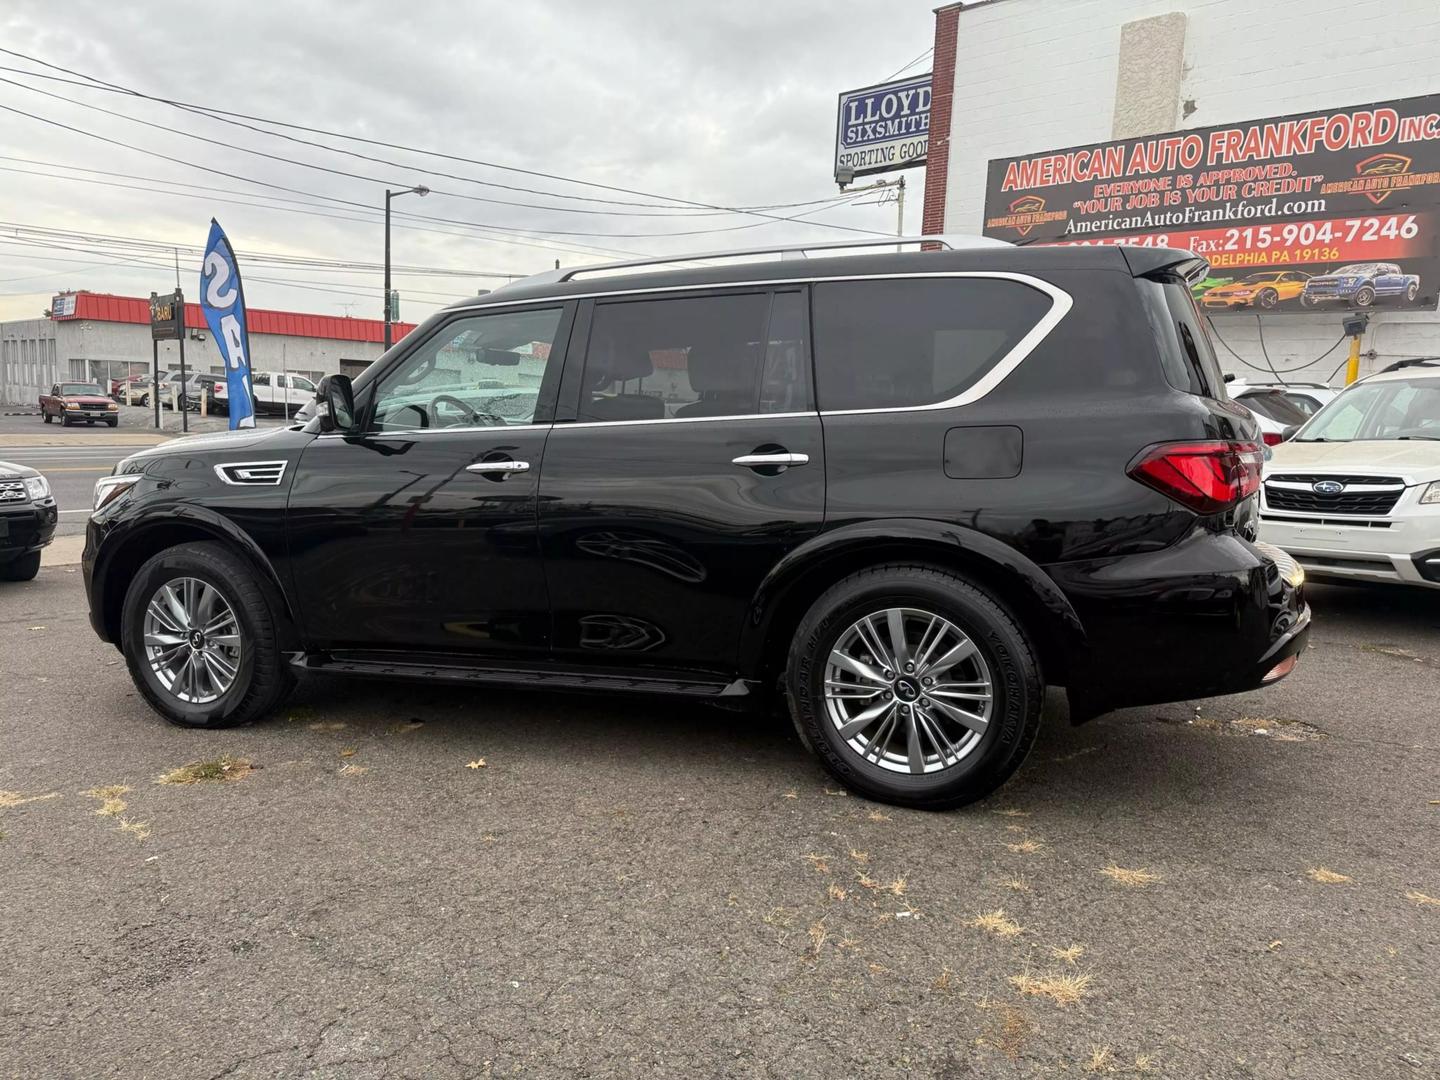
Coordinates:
<point>410,882</point>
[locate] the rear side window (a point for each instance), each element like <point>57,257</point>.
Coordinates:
<point>1186,351</point>
<point>918,341</point>
<point>688,357</point>
<point>1276,405</point>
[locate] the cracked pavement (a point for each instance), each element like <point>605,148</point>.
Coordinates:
<point>649,888</point>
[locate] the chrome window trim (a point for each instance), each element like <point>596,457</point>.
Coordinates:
<point>1060,304</point>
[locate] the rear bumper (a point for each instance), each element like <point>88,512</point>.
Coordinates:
<point>1211,615</point>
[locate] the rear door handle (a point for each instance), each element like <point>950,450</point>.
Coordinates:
<point>483,467</point>
<point>758,460</point>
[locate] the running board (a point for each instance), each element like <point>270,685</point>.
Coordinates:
<point>538,678</point>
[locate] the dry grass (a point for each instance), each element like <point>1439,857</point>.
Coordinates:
<point>216,770</point>
<point>1070,956</point>
<point>351,769</point>
<point>866,881</point>
<point>1019,884</point>
<point>1026,847</point>
<point>944,980</point>
<point>1063,987</point>
<point>876,815</point>
<point>1134,879</point>
<point>112,805</point>
<point>896,887</point>
<point>996,922</point>
<point>478,763</point>
<point>1421,899</point>
<point>404,726</point>
<point>859,856</point>
<point>836,892</point>
<point>138,829</point>
<point>1327,877</point>
<point>1101,1060</point>
<point>879,969</point>
<point>15,798</point>
<point>818,863</point>
<point>349,751</point>
<point>326,725</point>
<point>1144,1063</point>
<point>1013,1032</point>
<point>817,936</point>
<point>1012,812</point>
<point>791,794</point>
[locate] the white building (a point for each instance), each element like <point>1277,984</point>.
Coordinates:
<point>99,337</point>
<point>1025,78</point>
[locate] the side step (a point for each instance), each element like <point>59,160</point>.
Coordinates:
<point>536,678</point>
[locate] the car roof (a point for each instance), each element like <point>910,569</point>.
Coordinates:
<point>1421,371</point>
<point>1004,258</point>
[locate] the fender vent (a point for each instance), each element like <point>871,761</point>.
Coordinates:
<point>252,473</point>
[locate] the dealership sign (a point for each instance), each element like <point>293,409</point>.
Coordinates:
<point>1314,211</point>
<point>883,128</point>
<point>63,306</point>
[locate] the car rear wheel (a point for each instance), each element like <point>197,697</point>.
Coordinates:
<point>46,416</point>
<point>1412,291</point>
<point>1364,296</point>
<point>22,569</point>
<point>201,638</point>
<point>1268,298</point>
<point>914,687</point>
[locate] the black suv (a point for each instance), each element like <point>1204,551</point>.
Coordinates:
<point>908,491</point>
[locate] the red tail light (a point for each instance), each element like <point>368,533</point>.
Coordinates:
<point>1273,438</point>
<point>1208,477</point>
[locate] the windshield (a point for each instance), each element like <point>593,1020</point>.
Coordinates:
<point>1389,409</point>
<point>80,388</point>
<point>1255,278</point>
<point>1356,270</point>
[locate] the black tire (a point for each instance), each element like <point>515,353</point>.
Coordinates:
<point>1412,291</point>
<point>1364,296</point>
<point>64,420</point>
<point>1267,298</point>
<point>1308,301</point>
<point>46,416</point>
<point>1017,689</point>
<point>114,423</point>
<point>264,677</point>
<point>22,569</point>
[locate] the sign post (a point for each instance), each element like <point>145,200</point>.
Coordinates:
<point>167,323</point>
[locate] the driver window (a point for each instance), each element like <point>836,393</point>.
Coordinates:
<point>481,371</point>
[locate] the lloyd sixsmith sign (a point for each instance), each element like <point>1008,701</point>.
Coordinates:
<point>883,128</point>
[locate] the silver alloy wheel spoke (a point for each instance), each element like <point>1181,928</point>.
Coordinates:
<point>192,640</point>
<point>918,721</point>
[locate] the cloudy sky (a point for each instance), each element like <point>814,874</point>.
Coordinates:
<point>727,104</point>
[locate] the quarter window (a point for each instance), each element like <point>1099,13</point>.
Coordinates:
<point>689,357</point>
<point>480,371</point>
<point>920,341</point>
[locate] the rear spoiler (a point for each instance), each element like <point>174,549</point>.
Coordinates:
<point>1152,262</point>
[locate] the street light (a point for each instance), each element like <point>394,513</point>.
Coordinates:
<point>419,189</point>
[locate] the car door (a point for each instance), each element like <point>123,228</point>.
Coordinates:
<point>689,461</point>
<point>419,532</point>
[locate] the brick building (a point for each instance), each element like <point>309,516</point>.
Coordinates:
<point>1027,77</point>
<point>99,337</point>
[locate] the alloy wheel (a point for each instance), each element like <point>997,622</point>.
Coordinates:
<point>908,690</point>
<point>192,640</point>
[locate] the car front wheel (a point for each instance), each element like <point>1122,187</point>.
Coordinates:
<point>1268,298</point>
<point>1364,296</point>
<point>914,687</point>
<point>201,638</point>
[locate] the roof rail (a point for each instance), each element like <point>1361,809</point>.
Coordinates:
<point>951,242</point>
<point>1416,361</point>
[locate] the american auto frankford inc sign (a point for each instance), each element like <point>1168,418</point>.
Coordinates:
<point>883,128</point>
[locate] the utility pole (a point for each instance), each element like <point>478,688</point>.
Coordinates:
<point>846,177</point>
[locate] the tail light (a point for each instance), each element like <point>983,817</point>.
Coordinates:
<point>1273,438</point>
<point>1207,477</point>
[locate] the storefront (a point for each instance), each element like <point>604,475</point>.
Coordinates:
<point>1239,131</point>
<point>99,337</point>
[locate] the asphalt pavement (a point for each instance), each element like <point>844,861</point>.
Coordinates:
<point>418,882</point>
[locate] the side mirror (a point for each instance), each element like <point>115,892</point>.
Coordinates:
<point>335,403</point>
<point>1289,432</point>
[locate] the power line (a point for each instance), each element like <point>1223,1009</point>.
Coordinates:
<point>222,114</point>
<point>901,71</point>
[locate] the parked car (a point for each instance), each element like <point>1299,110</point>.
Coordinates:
<point>1355,495</point>
<point>1272,407</point>
<point>894,489</point>
<point>78,403</point>
<point>142,389</point>
<point>1261,290</point>
<point>27,520</point>
<point>1361,284</point>
<point>200,386</point>
<point>277,393</point>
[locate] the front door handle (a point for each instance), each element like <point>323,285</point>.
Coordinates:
<point>507,466</point>
<point>759,460</point>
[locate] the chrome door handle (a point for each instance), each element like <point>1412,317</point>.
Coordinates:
<point>498,467</point>
<point>752,460</point>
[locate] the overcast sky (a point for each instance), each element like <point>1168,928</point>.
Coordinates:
<point>729,103</point>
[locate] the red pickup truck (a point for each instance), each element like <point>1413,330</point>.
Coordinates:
<point>75,402</point>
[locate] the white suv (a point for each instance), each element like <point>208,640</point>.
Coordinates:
<point>1356,493</point>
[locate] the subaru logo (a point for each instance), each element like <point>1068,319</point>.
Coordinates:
<point>1327,487</point>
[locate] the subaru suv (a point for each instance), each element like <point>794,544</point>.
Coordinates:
<point>903,493</point>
